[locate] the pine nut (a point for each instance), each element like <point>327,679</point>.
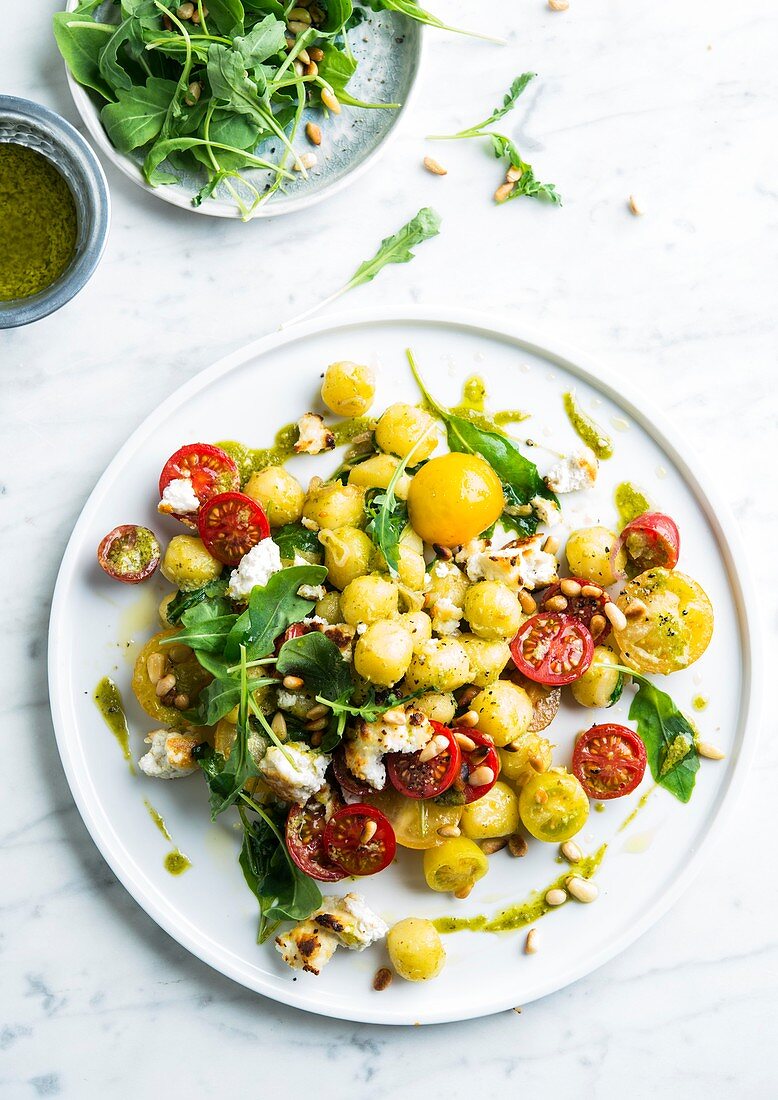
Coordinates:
<point>494,844</point>
<point>531,942</point>
<point>278,726</point>
<point>537,763</point>
<point>502,192</point>
<point>571,851</point>
<point>615,615</point>
<point>449,830</point>
<point>517,845</point>
<point>570,587</point>
<point>313,133</point>
<point>316,54</point>
<point>481,776</point>
<point>466,696</point>
<point>465,743</point>
<point>710,752</point>
<point>445,553</point>
<point>300,15</point>
<point>464,892</point>
<point>155,667</point>
<point>513,175</point>
<point>634,608</point>
<point>319,724</point>
<point>382,979</point>
<point>299,68</point>
<point>193,93</point>
<point>369,831</point>
<point>292,683</point>
<point>591,590</point>
<point>633,206</point>
<point>559,5</point>
<point>330,100</point>
<point>185,11</point>
<point>196,15</point>
<point>316,739</point>
<point>165,684</point>
<point>304,56</point>
<point>395,717</point>
<point>556,897</point>
<point>297,27</point>
<point>181,702</point>
<point>311,69</point>
<point>582,889</point>
<point>556,603</point>
<point>434,167</point>
<point>597,625</point>
<point>469,719</point>
<point>179,653</point>
<point>429,752</point>
<point>551,545</point>
<point>528,603</point>
<point>317,712</point>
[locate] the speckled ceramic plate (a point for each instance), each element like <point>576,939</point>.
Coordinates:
<point>97,626</point>
<point>388,48</point>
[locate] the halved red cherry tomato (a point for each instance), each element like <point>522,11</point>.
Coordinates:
<point>129,553</point>
<point>417,778</point>
<point>583,608</point>
<point>609,761</point>
<point>552,648</point>
<point>360,839</point>
<point>484,755</point>
<point>230,524</point>
<point>210,469</point>
<point>346,779</point>
<point>651,540</point>
<point>305,828</point>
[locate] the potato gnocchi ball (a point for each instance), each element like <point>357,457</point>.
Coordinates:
<point>589,551</point>
<point>504,711</point>
<point>280,494</point>
<point>383,653</point>
<point>187,563</point>
<point>438,706</point>
<point>495,813</point>
<point>440,664</point>
<point>401,427</point>
<point>415,949</point>
<point>332,505</point>
<point>377,471</point>
<point>487,658</point>
<point>348,388</point>
<point>368,599</point>
<point>493,611</point>
<point>601,684</point>
<point>347,554</point>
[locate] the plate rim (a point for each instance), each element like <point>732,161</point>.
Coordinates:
<point>653,422</point>
<point>222,208</point>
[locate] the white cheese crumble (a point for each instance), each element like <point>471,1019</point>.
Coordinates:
<point>573,472</point>
<point>446,616</point>
<point>311,591</point>
<point>254,568</point>
<point>547,511</point>
<point>170,755</point>
<point>522,563</point>
<point>178,497</point>
<point>295,781</point>
<point>370,740</point>
<point>314,435</point>
<point>344,921</point>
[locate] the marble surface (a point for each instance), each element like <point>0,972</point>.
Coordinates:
<point>674,103</point>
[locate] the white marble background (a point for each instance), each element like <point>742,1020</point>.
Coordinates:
<point>674,102</point>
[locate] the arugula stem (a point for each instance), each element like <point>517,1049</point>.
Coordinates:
<point>434,405</point>
<point>253,664</point>
<point>271,732</point>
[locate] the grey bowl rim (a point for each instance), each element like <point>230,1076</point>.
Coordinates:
<point>75,278</point>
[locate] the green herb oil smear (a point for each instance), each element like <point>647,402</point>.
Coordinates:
<point>630,502</point>
<point>586,429</point>
<point>38,222</point>
<point>175,862</point>
<point>108,699</point>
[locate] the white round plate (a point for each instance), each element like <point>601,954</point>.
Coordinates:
<point>388,48</point>
<point>97,625</point>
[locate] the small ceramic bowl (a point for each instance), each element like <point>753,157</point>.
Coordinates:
<point>26,123</point>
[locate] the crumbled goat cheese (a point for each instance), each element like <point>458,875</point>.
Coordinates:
<point>340,921</point>
<point>294,782</point>
<point>446,615</point>
<point>522,563</point>
<point>170,755</point>
<point>573,472</point>
<point>254,568</point>
<point>178,497</point>
<point>370,740</point>
<point>312,591</point>
<point>547,511</point>
<point>309,524</point>
<point>315,436</point>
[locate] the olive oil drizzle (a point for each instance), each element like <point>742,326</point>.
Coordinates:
<point>108,700</point>
<point>175,862</point>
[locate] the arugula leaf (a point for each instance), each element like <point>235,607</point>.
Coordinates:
<point>371,710</point>
<point>265,38</point>
<point>161,150</point>
<point>206,626</point>
<point>231,83</point>
<point>271,610</point>
<point>293,539</point>
<point>669,738</point>
<point>218,698</point>
<point>283,891</point>
<point>138,115</point>
<point>520,478</point>
<point>183,601</point>
<point>318,662</point>
<point>227,16</point>
<point>336,69</point>
<point>388,520</point>
<point>397,248</point>
<point>339,12</point>
<point>80,40</point>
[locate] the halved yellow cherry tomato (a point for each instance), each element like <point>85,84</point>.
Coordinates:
<point>553,806</point>
<point>167,660</point>
<point>457,864</point>
<point>453,498</point>
<point>669,621</point>
<point>415,821</point>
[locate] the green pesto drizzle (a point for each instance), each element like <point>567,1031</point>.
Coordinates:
<point>175,862</point>
<point>699,702</point>
<point>631,817</point>
<point>251,459</point>
<point>473,405</point>
<point>519,916</point>
<point>38,222</point>
<point>587,429</point>
<point>108,699</point>
<point>630,502</point>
